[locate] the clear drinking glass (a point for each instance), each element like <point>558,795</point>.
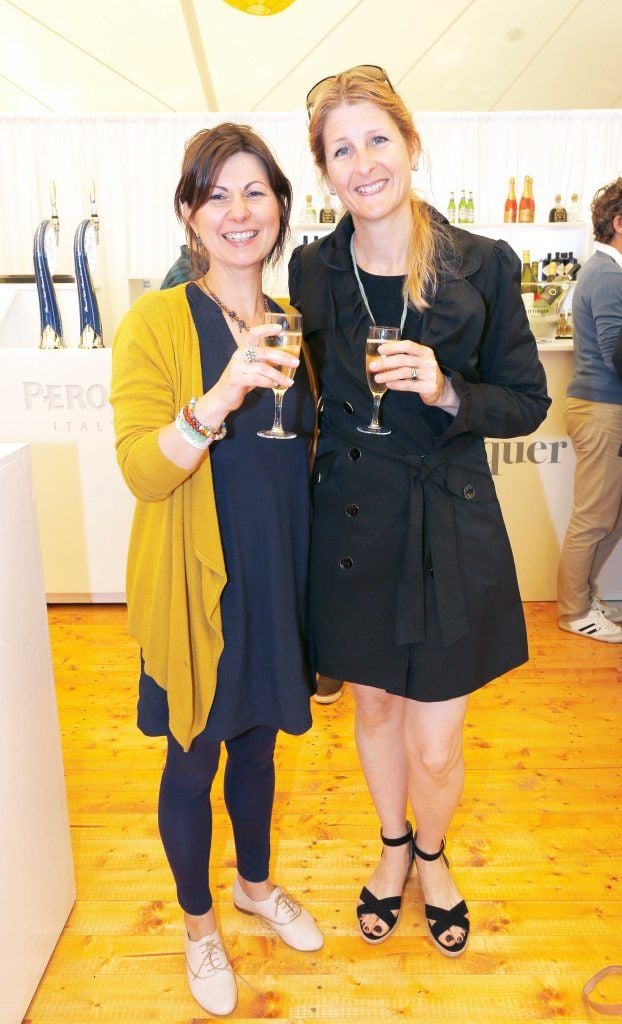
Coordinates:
<point>377,335</point>
<point>289,340</point>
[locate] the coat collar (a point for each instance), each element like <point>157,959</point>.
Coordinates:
<point>465,260</point>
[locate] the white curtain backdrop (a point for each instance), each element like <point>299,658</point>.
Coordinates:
<point>135,160</point>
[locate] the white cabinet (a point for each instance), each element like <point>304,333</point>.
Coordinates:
<point>59,403</point>
<point>37,887</point>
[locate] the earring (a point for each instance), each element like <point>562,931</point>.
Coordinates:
<point>198,238</point>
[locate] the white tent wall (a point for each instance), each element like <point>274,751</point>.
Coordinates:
<point>135,160</point>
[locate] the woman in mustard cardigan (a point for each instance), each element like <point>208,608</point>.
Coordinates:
<point>217,562</point>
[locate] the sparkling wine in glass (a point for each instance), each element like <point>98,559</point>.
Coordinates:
<point>288,340</point>
<point>376,337</point>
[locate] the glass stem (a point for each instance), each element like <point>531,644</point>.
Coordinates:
<point>374,419</point>
<point>278,406</point>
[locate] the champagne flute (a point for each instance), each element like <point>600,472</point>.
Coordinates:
<point>376,337</point>
<point>288,340</point>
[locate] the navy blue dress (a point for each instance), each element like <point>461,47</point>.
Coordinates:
<point>262,490</point>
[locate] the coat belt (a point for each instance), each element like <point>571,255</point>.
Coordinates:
<point>430,515</point>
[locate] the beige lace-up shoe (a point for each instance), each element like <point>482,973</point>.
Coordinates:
<point>290,921</point>
<point>210,975</point>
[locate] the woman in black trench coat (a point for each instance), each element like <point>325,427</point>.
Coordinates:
<point>414,597</point>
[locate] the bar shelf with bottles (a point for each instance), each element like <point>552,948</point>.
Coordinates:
<point>518,226</point>
<point>315,222</point>
<point>551,254</point>
<point>544,241</point>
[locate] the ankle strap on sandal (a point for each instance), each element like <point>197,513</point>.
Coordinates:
<point>401,840</point>
<point>428,856</point>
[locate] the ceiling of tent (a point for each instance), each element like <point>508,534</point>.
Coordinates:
<point>162,56</point>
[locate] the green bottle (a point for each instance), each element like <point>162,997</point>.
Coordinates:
<point>463,216</point>
<point>451,209</point>
<point>470,209</point>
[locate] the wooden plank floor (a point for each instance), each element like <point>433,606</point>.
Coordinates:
<point>536,847</point>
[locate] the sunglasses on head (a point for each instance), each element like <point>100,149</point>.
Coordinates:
<point>372,71</point>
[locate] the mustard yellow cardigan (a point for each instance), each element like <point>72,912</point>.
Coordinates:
<point>175,568</point>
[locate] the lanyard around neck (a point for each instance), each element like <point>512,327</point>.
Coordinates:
<point>362,290</point>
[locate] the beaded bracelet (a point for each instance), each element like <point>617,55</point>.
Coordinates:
<point>189,434</point>
<point>214,433</point>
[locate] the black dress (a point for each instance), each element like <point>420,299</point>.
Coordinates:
<point>262,490</point>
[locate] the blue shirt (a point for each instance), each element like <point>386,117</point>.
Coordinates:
<point>597,315</point>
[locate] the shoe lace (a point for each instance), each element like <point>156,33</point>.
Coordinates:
<point>291,909</point>
<point>600,620</point>
<point>214,957</point>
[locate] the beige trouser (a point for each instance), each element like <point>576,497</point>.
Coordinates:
<point>595,526</point>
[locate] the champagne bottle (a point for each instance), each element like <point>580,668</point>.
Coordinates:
<point>327,214</point>
<point>511,208</point>
<point>558,213</point>
<point>561,266</point>
<point>308,216</point>
<point>451,209</point>
<point>470,209</point>
<point>561,326</point>
<point>573,266</point>
<point>545,265</point>
<point>462,209</point>
<point>527,206</point>
<point>574,210</point>
<point>527,282</point>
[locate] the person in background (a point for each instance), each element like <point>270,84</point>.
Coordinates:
<point>180,271</point>
<point>616,355</point>
<point>594,424</point>
<point>413,591</point>
<point>217,565</point>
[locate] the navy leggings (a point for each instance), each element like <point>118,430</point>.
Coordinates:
<point>185,812</point>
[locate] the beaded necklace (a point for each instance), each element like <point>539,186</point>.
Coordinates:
<point>231,313</point>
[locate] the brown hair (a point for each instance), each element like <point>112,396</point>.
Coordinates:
<point>606,204</point>
<point>430,240</point>
<point>204,156</point>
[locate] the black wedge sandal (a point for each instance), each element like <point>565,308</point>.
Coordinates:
<point>439,920</point>
<point>389,909</point>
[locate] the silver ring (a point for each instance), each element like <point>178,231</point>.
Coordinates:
<point>413,373</point>
<point>250,354</point>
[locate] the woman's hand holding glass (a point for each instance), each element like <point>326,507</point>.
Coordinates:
<point>409,366</point>
<point>265,368</point>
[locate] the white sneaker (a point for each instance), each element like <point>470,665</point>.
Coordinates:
<point>611,609</point>
<point>290,921</point>
<point>594,625</point>
<point>210,975</point>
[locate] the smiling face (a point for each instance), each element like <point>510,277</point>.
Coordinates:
<point>367,162</point>
<point>238,224</point>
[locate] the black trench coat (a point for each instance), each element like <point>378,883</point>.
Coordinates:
<point>412,585</point>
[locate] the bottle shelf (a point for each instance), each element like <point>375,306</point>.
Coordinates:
<point>576,225</point>
<point>313,228</point>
